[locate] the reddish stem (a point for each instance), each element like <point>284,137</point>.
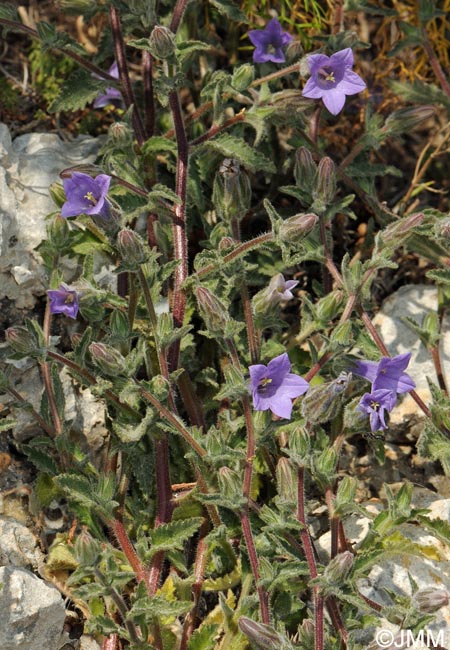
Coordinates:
<point>309,554</point>
<point>179,225</point>
<point>121,535</point>
<point>128,94</point>
<point>149,99</point>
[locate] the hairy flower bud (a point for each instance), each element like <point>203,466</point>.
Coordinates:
<point>400,228</point>
<point>264,637</point>
<point>286,480</point>
<point>339,567</point>
<point>20,339</point>
<point>107,358</point>
<point>323,402</point>
<point>442,228</point>
<point>58,231</point>
<point>87,549</point>
<point>328,306</point>
<point>431,599</point>
<point>296,228</point>
<point>230,483</point>
<point>406,119</point>
<point>212,310</point>
<point>324,184</point>
<point>305,169</point>
<point>57,193</point>
<point>132,249</point>
<point>232,191</point>
<point>226,243</point>
<point>243,77</point>
<point>120,132</point>
<point>162,42</point>
<point>306,634</point>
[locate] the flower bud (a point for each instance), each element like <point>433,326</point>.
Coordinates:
<point>212,310</point>
<point>328,306</point>
<point>107,358</point>
<point>406,119</point>
<point>58,232</point>
<point>324,184</point>
<point>326,465</point>
<point>162,42</point>
<point>399,228</point>
<point>322,403</point>
<point>293,51</point>
<point>230,483</point>
<point>306,634</point>
<point>286,480</point>
<point>119,325</point>
<point>264,637</point>
<point>87,549</point>
<point>132,249</point>
<point>442,228</point>
<point>296,228</point>
<point>232,191</point>
<point>57,194</point>
<point>120,133</point>
<point>20,339</point>
<point>429,600</point>
<point>243,77</point>
<point>339,567</point>
<point>76,339</point>
<point>305,168</point>
<point>226,243</point>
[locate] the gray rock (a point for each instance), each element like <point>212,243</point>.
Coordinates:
<point>88,643</point>
<point>28,165</point>
<point>414,301</point>
<point>18,546</point>
<point>32,612</point>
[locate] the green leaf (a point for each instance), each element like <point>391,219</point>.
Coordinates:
<point>53,38</point>
<point>173,535</point>
<point>184,50</point>
<point>204,637</point>
<point>158,607</point>
<point>41,460</point>
<point>9,12</point>
<point>77,487</point>
<point>232,147</point>
<point>80,89</point>
<point>420,92</point>
<point>158,143</point>
<point>439,527</point>
<point>7,424</point>
<point>230,10</point>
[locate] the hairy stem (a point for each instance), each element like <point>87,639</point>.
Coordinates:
<point>179,225</point>
<point>128,94</point>
<point>309,554</point>
<point>149,99</point>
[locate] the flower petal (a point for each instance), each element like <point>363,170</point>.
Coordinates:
<point>352,83</point>
<point>279,367</point>
<point>312,90</point>
<point>281,406</point>
<point>317,61</point>
<point>342,59</point>
<point>334,100</point>
<point>293,386</point>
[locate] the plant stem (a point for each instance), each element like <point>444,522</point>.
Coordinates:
<point>121,535</point>
<point>173,420</point>
<point>218,128</point>
<point>121,607</point>
<point>128,94</point>
<point>245,519</point>
<point>46,375</point>
<point>177,15</point>
<point>66,52</point>
<point>309,554</point>
<point>199,570</point>
<point>39,419</point>
<point>179,224</point>
<point>149,99</point>
<point>90,378</point>
<point>236,253</point>
<point>434,61</point>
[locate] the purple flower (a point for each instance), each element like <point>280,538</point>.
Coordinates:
<point>274,386</point>
<point>279,289</point>
<point>332,79</point>
<point>375,404</point>
<point>387,373</point>
<point>111,95</point>
<point>269,42</point>
<point>63,300</point>
<point>86,195</point>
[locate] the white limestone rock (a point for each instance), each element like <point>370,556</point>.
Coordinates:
<point>18,546</point>
<point>414,301</point>
<point>28,165</point>
<point>32,611</point>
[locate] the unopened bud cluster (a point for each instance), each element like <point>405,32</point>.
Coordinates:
<point>132,249</point>
<point>212,310</point>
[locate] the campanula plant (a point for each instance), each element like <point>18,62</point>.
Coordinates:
<point>219,265</point>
